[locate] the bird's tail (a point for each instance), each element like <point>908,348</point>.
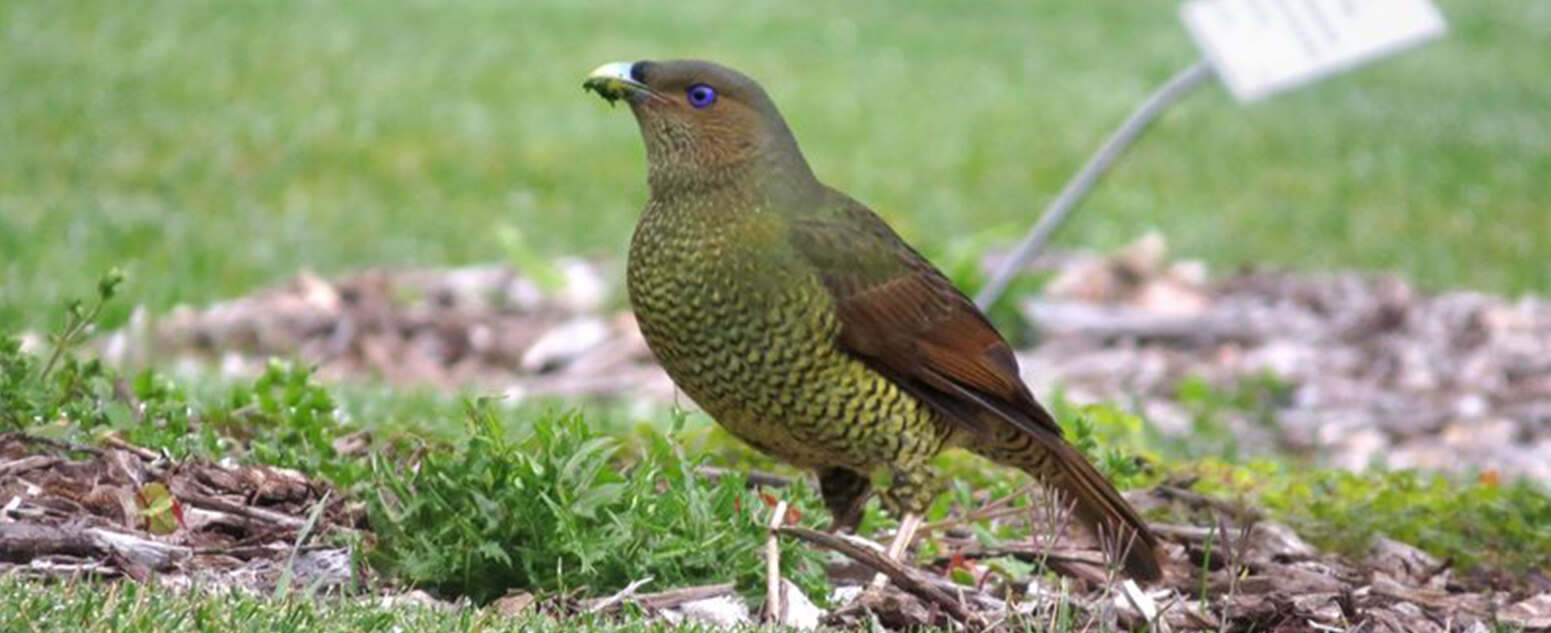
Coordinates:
<point>1099,505</point>
<point>1093,500</point>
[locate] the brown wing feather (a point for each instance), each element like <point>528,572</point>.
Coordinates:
<point>901,315</point>
<point>905,319</point>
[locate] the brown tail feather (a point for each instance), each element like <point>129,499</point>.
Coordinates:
<point>1101,508</point>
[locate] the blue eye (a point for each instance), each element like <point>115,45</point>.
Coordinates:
<point>701,95</point>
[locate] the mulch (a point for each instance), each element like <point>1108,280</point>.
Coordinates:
<point>73,511</point>
<point>1364,367</point>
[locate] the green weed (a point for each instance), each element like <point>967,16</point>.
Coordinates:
<point>1481,522</point>
<point>62,387</point>
<point>562,509</point>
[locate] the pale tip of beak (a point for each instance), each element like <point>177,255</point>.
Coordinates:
<point>617,71</point>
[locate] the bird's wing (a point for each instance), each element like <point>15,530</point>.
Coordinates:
<point>903,318</point>
<point>906,320</point>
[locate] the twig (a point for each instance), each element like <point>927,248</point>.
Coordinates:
<point>1144,604</point>
<point>50,442</point>
<point>675,597</point>
<point>609,602</point>
<point>44,569</point>
<point>973,517</point>
<point>993,510</point>
<point>1235,560</point>
<point>773,608</point>
<point>1058,517</point>
<point>114,441</point>
<point>1034,553</point>
<point>23,542</point>
<point>19,466</point>
<point>248,512</point>
<point>1183,533</point>
<point>903,577</point>
<point>151,554</point>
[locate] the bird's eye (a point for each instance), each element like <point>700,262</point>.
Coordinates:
<point>701,95</point>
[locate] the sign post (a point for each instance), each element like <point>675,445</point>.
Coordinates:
<point>1257,48</point>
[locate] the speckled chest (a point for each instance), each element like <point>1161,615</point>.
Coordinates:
<point>748,331</point>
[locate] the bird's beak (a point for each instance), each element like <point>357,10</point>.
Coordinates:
<point>613,82</point>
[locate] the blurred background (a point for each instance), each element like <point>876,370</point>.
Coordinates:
<point>210,148</point>
<point>1330,309</point>
<point>1332,275</point>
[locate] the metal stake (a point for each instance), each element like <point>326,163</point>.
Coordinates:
<point>1182,83</point>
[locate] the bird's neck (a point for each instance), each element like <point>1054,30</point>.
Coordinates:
<point>771,174</point>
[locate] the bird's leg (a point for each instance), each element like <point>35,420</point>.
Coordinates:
<point>906,533</point>
<point>845,492</point>
<point>908,497</point>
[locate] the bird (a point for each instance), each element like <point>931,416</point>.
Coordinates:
<point>806,327</point>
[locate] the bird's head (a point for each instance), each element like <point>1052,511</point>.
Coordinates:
<point>701,122</point>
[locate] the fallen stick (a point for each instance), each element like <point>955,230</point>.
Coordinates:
<point>903,577</point>
<point>1183,533</point>
<point>54,570</point>
<point>151,554</point>
<point>675,597</point>
<point>23,542</point>
<point>611,601</point>
<point>61,445</point>
<point>248,512</point>
<point>773,610</point>
<point>19,466</point>
<point>114,441</point>
<point>1032,552</point>
<point>993,510</point>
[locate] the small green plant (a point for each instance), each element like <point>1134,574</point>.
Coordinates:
<point>1098,432</point>
<point>79,319</point>
<point>560,510</point>
<point>1108,436</point>
<point>293,422</point>
<point>282,418</point>
<point>62,388</point>
<point>1473,523</point>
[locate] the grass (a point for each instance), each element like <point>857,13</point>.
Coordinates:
<point>1481,524</point>
<point>210,148</point>
<point>521,499</point>
<point>132,608</point>
<point>536,499</point>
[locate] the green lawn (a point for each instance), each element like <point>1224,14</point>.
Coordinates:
<point>131,608</point>
<point>211,147</point>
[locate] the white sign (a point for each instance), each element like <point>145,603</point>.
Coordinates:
<point>1259,47</point>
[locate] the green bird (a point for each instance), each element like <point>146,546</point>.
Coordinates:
<point>806,327</point>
